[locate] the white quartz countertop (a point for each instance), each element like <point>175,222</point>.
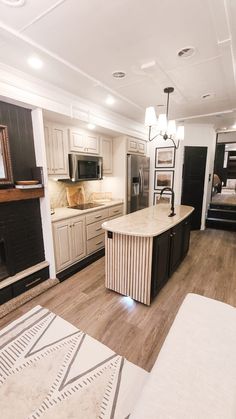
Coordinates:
<point>66,212</point>
<point>148,222</point>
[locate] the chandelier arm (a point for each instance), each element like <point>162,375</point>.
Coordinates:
<point>149,135</point>
<point>176,146</point>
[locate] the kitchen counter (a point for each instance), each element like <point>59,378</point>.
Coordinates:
<point>148,222</point>
<point>66,212</point>
<point>144,248</point>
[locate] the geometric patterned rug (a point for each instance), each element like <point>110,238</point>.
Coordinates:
<point>51,369</point>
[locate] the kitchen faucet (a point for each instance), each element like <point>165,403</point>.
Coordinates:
<point>172,200</point>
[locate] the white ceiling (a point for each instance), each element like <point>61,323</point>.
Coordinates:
<point>82,42</point>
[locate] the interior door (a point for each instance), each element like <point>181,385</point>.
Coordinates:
<point>193,182</point>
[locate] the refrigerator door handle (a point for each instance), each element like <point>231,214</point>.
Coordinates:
<point>141,180</point>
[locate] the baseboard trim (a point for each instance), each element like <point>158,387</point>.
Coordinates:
<point>80,265</point>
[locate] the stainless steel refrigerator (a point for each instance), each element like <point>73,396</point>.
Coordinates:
<point>138,168</point>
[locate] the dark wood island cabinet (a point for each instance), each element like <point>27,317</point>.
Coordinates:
<point>143,249</point>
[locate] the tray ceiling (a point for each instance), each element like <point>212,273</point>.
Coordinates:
<point>82,43</point>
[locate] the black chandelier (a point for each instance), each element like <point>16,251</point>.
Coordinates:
<point>166,128</point>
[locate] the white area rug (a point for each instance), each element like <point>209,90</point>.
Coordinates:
<point>50,369</point>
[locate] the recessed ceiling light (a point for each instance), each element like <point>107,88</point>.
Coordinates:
<point>35,62</point>
<point>91,126</point>
<point>186,52</point>
<point>14,3</point>
<point>118,74</point>
<point>110,100</point>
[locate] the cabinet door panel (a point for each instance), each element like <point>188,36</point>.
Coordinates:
<point>48,146</point>
<point>132,145</point>
<point>106,152</point>
<point>141,147</point>
<point>160,264</point>
<point>62,242</point>
<point>176,247</point>
<point>78,239</point>
<point>77,141</point>
<point>186,236</point>
<point>60,160</point>
<point>92,144</point>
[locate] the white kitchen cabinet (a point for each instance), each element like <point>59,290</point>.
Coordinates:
<point>56,143</point>
<point>136,146</point>
<point>83,142</point>
<point>95,233</point>
<point>106,153</point>
<point>69,241</point>
<point>78,237</point>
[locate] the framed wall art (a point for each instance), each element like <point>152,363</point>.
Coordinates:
<point>165,157</point>
<point>163,179</point>
<point>164,199</point>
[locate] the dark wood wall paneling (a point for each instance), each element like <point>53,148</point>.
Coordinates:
<point>21,230</point>
<point>20,222</point>
<point>19,123</point>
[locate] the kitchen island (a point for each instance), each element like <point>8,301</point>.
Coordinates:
<point>144,248</point>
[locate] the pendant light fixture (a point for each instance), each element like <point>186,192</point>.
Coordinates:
<point>166,129</point>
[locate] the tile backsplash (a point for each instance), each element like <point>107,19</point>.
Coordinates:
<point>57,191</point>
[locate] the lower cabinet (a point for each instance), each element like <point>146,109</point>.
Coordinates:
<point>69,241</point>
<point>169,249</point>
<point>176,247</point>
<point>160,266</point>
<point>22,285</point>
<point>186,235</point>
<point>94,221</point>
<point>78,237</point>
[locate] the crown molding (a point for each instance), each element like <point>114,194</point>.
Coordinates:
<point>19,87</point>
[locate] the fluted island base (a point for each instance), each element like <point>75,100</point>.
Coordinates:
<point>144,248</point>
<point>129,265</point>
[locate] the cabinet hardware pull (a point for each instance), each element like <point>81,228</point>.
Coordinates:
<point>33,282</point>
<point>98,216</point>
<point>99,243</point>
<point>98,229</point>
<point>116,211</point>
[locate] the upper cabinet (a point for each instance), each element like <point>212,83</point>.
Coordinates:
<point>106,153</point>
<point>56,142</point>
<point>136,146</point>
<point>83,142</point>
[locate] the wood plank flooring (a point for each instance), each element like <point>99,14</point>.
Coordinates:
<point>132,329</point>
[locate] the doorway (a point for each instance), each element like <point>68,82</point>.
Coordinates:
<point>222,210</point>
<point>193,182</point>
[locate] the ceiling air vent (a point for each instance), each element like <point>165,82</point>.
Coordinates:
<point>13,3</point>
<point>118,74</point>
<point>186,52</point>
<point>207,95</point>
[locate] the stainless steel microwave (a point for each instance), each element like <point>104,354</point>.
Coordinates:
<point>85,167</point>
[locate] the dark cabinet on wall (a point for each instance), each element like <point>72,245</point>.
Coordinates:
<point>169,249</point>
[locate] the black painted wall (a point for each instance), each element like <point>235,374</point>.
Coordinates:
<point>20,131</point>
